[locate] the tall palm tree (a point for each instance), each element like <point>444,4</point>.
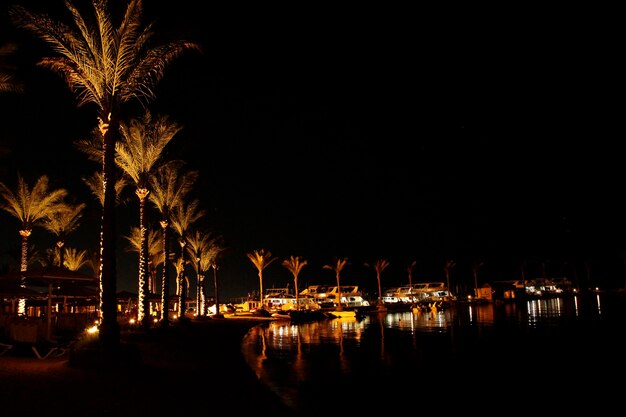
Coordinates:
<point>109,67</point>
<point>8,81</point>
<point>379,266</point>
<point>75,259</point>
<point>137,154</point>
<point>204,248</point>
<point>198,244</point>
<point>62,222</point>
<point>179,267</point>
<point>95,184</point>
<point>448,267</point>
<point>409,269</point>
<point>215,251</point>
<point>476,265</point>
<point>155,253</point>
<point>183,216</point>
<point>338,266</point>
<point>261,260</point>
<point>30,207</point>
<point>170,185</point>
<point>295,264</point>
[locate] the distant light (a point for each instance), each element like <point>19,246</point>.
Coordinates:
<point>92,330</point>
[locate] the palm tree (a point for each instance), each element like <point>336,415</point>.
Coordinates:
<point>94,262</point>
<point>183,216</point>
<point>450,264</point>
<point>475,268</point>
<point>63,222</point>
<point>95,184</point>
<point>75,259</point>
<point>261,259</point>
<point>31,207</point>
<point>8,82</point>
<point>205,249</point>
<point>198,244</point>
<point>179,267</point>
<point>295,264</point>
<point>215,251</point>
<point>109,67</point>
<point>338,266</point>
<point>155,253</point>
<point>137,154</point>
<point>409,269</point>
<point>170,186</point>
<point>379,266</point>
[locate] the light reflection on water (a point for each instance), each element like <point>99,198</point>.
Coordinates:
<point>464,351</point>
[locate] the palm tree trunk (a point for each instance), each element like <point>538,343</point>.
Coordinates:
<point>165,285</point>
<point>143,308</point>
<point>217,292</point>
<point>25,233</point>
<point>109,328</point>
<point>182,305</point>
<point>261,289</point>
<point>199,311</point>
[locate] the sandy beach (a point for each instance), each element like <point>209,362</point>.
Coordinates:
<point>181,370</point>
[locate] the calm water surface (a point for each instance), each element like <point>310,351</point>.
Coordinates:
<point>552,355</point>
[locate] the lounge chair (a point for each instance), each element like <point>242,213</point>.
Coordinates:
<point>4,348</point>
<point>51,349</point>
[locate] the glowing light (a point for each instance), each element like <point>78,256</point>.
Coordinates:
<point>93,329</point>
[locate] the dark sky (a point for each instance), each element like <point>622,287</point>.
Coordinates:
<point>421,135</point>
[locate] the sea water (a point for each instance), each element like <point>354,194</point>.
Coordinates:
<point>541,355</point>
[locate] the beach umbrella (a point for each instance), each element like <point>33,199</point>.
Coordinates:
<point>10,287</point>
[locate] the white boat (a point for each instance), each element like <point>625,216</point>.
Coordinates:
<point>423,292</point>
<point>326,296</point>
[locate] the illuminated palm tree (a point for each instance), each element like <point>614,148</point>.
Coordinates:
<point>338,266</point>
<point>63,222</point>
<point>137,154</point>
<point>8,82</point>
<point>109,67</point>
<point>170,185</point>
<point>155,252</point>
<point>198,244</point>
<point>261,259</point>
<point>183,216</point>
<point>75,259</point>
<point>215,251</point>
<point>379,266</point>
<point>95,184</point>
<point>205,249</point>
<point>179,268</point>
<point>30,207</point>
<point>295,264</point>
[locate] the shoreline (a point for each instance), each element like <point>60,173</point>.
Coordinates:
<point>182,369</point>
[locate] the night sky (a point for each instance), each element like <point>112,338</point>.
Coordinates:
<point>423,135</point>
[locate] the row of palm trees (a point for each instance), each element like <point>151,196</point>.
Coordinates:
<point>262,258</point>
<point>109,67</point>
